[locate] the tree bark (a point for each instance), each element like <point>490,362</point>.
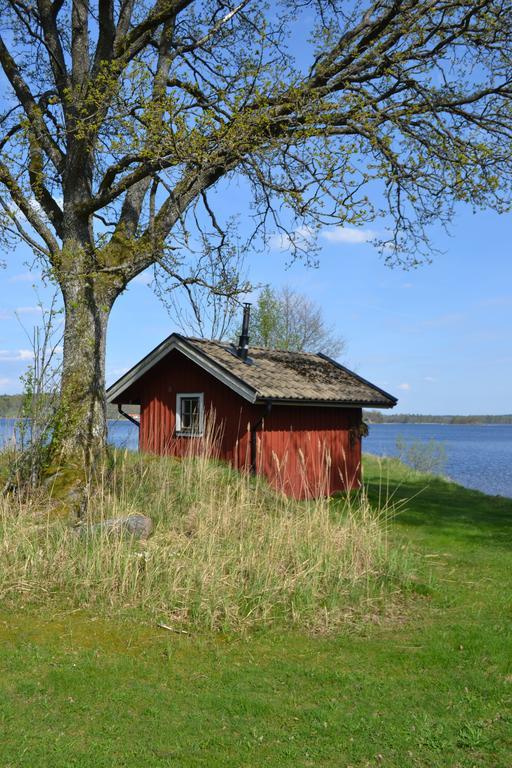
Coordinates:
<point>81,427</point>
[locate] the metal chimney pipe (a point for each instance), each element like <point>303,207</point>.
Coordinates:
<point>243,342</point>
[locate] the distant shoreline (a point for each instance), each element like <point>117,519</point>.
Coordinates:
<point>10,406</point>
<point>377,417</point>
<point>444,423</point>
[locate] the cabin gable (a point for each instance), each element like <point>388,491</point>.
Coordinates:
<point>225,412</point>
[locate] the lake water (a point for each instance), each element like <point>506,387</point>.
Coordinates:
<point>477,455</point>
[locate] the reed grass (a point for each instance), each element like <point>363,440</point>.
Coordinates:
<point>227,553</point>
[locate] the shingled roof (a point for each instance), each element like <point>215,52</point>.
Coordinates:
<point>267,375</point>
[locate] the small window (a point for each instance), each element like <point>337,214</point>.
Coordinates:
<point>190,414</point>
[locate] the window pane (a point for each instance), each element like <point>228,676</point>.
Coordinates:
<point>190,420</point>
<point>194,414</point>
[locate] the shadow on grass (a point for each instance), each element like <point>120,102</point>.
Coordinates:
<point>442,507</point>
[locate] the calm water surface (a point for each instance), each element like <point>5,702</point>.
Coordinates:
<point>478,455</point>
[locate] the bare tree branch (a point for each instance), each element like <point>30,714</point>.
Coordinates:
<point>28,210</point>
<point>30,106</point>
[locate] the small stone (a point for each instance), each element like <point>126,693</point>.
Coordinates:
<point>138,526</point>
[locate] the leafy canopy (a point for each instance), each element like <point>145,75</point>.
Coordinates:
<point>121,116</point>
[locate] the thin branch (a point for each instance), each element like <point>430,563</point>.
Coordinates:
<point>200,42</point>
<point>32,110</point>
<point>28,210</point>
<point>20,231</point>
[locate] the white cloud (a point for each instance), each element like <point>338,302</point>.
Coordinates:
<point>280,241</point>
<point>15,356</point>
<point>352,235</point>
<point>495,302</point>
<point>144,278</point>
<point>406,387</point>
<point>445,321</point>
<point>283,242</point>
<point>115,373</point>
<point>28,310</point>
<point>9,315</point>
<point>407,285</point>
<point>25,277</point>
<point>36,207</point>
<point>430,378</point>
<point>4,382</point>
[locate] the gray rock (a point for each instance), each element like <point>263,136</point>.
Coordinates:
<point>138,526</point>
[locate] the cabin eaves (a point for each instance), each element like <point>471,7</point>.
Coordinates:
<point>288,377</point>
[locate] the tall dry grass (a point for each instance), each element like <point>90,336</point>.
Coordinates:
<point>227,552</point>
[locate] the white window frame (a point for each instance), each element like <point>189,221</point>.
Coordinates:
<point>183,396</point>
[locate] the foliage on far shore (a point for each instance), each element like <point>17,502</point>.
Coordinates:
<point>377,417</point>
<point>11,406</point>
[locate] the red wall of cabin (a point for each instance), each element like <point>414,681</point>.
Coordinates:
<point>311,451</point>
<point>303,451</point>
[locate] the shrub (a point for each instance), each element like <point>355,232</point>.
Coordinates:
<point>26,458</point>
<point>423,456</point>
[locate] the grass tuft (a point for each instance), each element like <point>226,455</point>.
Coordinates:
<point>227,553</point>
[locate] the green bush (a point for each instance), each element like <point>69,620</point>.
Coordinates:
<point>423,456</point>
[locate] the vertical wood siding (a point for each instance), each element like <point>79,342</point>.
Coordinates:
<point>311,451</point>
<point>303,451</point>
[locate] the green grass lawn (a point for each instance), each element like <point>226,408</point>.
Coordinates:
<point>428,685</point>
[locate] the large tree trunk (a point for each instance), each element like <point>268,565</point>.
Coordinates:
<point>81,424</point>
<point>89,293</point>
<point>79,436</point>
<point>80,430</point>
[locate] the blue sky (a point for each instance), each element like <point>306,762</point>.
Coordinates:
<point>438,337</point>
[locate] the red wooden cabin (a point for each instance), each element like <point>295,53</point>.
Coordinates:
<point>294,417</point>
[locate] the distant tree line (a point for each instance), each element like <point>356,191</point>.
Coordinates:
<point>376,417</point>
<point>10,407</point>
